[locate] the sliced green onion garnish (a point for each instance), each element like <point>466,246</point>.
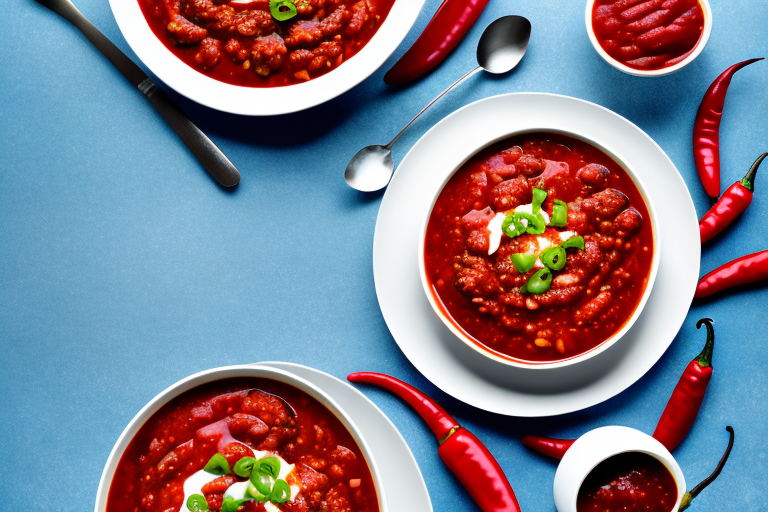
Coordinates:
<point>512,226</point>
<point>523,262</point>
<point>539,196</point>
<point>244,467</point>
<point>574,241</point>
<point>539,282</point>
<point>553,257</point>
<point>536,224</point>
<point>218,465</point>
<point>230,504</point>
<point>282,10</point>
<point>262,482</point>
<point>559,214</point>
<point>252,492</point>
<point>197,502</point>
<point>269,466</point>
<point>280,492</point>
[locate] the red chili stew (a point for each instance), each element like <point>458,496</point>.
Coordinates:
<point>244,44</point>
<point>238,419</point>
<point>648,34</point>
<point>594,286</point>
<point>628,482</point>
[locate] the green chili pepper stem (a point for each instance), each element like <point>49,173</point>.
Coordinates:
<point>705,358</point>
<point>688,497</point>
<point>449,434</point>
<point>748,181</point>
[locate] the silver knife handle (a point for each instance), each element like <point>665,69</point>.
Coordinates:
<point>214,161</point>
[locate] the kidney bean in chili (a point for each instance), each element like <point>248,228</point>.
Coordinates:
<point>706,129</point>
<point>684,404</point>
<point>747,269</point>
<point>731,204</point>
<point>549,446</point>
<point>464,454</point>
<point>447,28</point>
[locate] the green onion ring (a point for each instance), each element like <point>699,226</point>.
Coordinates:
<point>523,262</point>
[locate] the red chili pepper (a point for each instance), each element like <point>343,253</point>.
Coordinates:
<point>706,129</point>
<point>747,269</point>
<point>684,404</point>
<point>549,446</point>
<point>464,454</point>
<point>447,28</point>
<point>731,204</point>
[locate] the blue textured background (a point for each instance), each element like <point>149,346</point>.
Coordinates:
<point>123,268</point>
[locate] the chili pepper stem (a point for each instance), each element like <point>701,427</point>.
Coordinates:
<point>748,181</point>
<point>689,496</point>
<point>705,358</point>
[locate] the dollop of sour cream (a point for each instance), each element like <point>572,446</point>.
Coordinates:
<point>195,482</point>
<point>494,227</point>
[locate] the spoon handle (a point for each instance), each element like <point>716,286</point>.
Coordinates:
<point>454,84</point>
<point>210,156</point>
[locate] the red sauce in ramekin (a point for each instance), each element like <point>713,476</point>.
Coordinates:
<point>628,482</point>
<point>648,34</point>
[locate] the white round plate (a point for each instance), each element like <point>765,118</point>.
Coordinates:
<point>403,484</point>
<point>463,372</point>
<point>262,101</point>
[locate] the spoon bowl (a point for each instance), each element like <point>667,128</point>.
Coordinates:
<point>503,44</point>
<point>499,50</point>
<point>370,169</point>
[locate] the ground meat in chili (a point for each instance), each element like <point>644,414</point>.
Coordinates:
<point>242,44</point>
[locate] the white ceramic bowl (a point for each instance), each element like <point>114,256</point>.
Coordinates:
<point>262,101</point>
<point>503,358</point>
<point>652,72</point>
<point>228,372</point>
<point>598,445</point>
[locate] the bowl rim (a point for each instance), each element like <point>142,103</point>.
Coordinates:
<point>523,363</point>
<point>651,72</point>
<point>262,101</point>
<point>229,372</point>
<point>599,445</point>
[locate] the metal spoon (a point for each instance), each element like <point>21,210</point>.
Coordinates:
<point>500,49</point>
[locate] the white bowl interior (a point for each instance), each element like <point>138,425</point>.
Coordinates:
<point>255,101</point>
<point>590,353</point>
<point>653,72</point>
<point>598,445</point>
<point>228,372</point>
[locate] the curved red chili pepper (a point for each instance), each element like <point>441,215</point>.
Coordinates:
<point>464,454</point>
<point>447,28</point>
<point>548,446</point>
<point>706,129</point>
<point>685,402</point>
<point>747,269</point>
<point>731,204</point>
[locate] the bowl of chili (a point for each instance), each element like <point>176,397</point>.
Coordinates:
<point>598,243</point>
<point>263,57</point>
<point>645,38</point>
<point>227,436</point>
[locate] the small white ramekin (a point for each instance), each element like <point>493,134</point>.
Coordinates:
<point>598,445</point>
<point>651,72</point>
